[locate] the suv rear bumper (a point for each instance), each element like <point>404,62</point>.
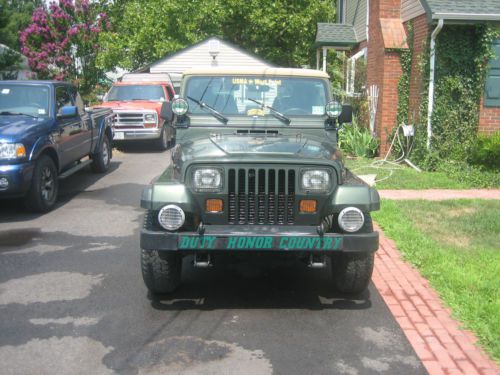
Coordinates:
<point>135,134</point>
<point>258,238</point>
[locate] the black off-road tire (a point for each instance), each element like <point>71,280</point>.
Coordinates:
<point>102,159</point>
<point>42,194</point>
<point>161,270</point>
<point>352,272</point>
<point>163,143</point>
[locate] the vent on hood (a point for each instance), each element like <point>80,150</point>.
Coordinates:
<point>272,132</point>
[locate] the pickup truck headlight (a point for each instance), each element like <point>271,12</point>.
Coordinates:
<point>207,179</point>
<point>317,180</point>
<point>12,151</point>
<point>150,117</point>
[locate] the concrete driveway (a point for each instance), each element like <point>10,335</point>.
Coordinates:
<point>72,300</point>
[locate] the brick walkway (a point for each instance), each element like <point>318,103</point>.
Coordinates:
<point>438,340</point>
<point>440,194</point>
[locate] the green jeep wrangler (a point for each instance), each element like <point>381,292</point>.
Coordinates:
<point>256,170</point>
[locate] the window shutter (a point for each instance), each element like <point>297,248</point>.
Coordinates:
<point>492,87</point>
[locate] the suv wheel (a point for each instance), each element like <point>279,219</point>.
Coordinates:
<point>42,194</point>
<point>101,159</point>
<point>352,272</point>
<point>161,270</point>
<point>162,142</point>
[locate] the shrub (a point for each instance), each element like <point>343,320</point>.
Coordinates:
<point>356,140</point>
<point>486,152</point>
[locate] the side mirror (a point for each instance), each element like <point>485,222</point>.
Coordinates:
<point>100,97</point>
<point>68,112</point>
<point>166,112</point>
<point>346,114</point>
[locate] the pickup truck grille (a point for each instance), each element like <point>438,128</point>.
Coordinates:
<point>129,119</point>
<point>261,196</point>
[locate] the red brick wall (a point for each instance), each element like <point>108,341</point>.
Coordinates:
<point>383,70</point>
<point>489,119</point>
<point>421,32</point>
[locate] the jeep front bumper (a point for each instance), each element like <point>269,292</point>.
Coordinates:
<point>258,238</point>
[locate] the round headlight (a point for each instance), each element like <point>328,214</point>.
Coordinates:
<point>180,106</point>
<point>351,219</point>
<point>333,109</point>
<point>149,117</point>
<point>171,217</point>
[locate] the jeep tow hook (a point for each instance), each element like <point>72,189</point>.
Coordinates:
<point>202,261</point>
<point>317,261</point>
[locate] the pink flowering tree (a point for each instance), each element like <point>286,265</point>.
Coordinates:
<point>62,42</point>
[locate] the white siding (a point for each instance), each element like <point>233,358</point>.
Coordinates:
<point>411,9</point>
<point>199,57</point>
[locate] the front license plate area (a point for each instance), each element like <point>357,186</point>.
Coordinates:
<point>292,243</point>
<point>118,136</point>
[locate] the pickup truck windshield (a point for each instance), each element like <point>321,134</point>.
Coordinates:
<point>136,92</point>
<point>253,95</point>
<point>25,100</point>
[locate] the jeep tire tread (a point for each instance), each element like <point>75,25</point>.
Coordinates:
<point>161,271</point>
<point>42,194</point>
<point>352,272</point>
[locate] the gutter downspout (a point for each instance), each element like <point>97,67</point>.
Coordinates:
<point>430,106</point>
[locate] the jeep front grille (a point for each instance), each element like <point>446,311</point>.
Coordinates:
<point>261,196</point>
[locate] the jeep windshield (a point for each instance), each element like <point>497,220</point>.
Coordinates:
<point>257,96</point>
<point>136,92</point>
<point>25,100</point>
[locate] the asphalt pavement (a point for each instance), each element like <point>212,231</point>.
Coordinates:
<point>72,300</point>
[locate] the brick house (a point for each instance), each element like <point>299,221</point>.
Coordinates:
<point>376,30</point>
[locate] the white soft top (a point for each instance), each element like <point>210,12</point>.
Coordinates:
<point>282,72</point>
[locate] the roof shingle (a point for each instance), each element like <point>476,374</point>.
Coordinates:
<point>335,34</point>
<point>466,10</point>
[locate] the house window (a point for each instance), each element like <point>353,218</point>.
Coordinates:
<point>492,87</point>
<point>356,74</point>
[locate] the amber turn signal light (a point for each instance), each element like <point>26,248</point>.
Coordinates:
<point>214,205</point>
<point>307,205</point>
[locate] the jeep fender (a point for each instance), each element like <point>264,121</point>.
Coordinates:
<point>156,196</point>
<point>360,196</point>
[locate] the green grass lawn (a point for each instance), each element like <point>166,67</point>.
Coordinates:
<point>404,177</point>
<point>456,246</point>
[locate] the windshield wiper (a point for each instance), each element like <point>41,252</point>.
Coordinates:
<point>219,116</point>
<point>9,113</point>
<point>274,112</point>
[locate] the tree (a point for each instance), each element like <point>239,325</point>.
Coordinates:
<point>280,31</point>
<point>62,42</point>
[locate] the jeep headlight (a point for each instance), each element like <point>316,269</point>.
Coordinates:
<point>316,180</point>
<point>12,150</point>
<point>207,179</point>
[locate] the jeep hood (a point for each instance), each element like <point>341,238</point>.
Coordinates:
<point>256,147</point>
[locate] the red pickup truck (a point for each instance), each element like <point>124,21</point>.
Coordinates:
<point>136,102</point>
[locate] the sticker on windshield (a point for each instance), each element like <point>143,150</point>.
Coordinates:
<point>41,111</point>
<point>5,91</point>
<point>318,110</point>
<point>256,81</point>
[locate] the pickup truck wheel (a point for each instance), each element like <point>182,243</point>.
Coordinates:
<point>42,194</point>
<point>352,272</point>
<point>162,143</point>
<point>161,271</point>
<point>101,159</point>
